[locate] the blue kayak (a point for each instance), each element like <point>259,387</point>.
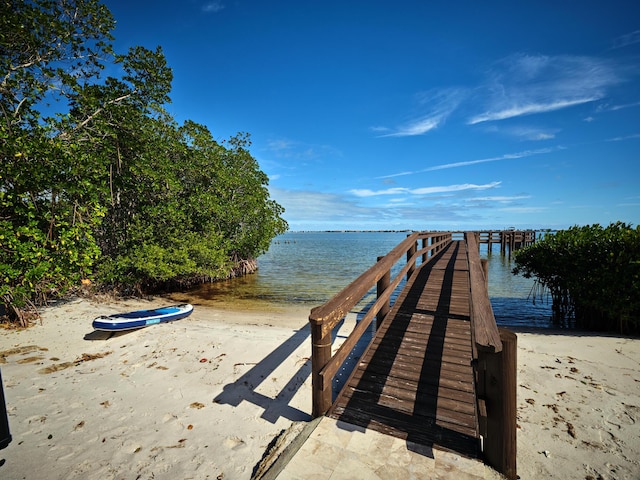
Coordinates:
<point>141,318</point>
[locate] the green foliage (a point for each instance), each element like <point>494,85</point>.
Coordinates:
<point>110,187</point>
<point>592,273</point>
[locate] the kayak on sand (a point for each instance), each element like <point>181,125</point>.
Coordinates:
<point>141,318</point>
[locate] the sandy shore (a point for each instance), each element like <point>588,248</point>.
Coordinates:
<point>578,406</point>
<point>202,398</point>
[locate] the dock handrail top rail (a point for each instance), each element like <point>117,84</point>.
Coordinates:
<point>483,322</point>
<point>334,310</point>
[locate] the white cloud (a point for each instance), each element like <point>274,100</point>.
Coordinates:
<point>438,105</point>
<point>508,156</point>
<point>380,129</point>
<point>423,190</point>
<point>304,205</point>
<point>453,209</point>
<point>524,132</point>
<point>531,84</point>
<point>627,39</point>
<point>517,109</point>
<point>614,108</point>
<point>213,7</point>
<point>523,209</point>
<point>401,174</point>
<point>285,148</point>
<point>418,127</point>
<point>497,198</point>
<point>626,137</point>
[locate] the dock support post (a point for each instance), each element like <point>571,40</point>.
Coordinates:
<point>320,356</point>
<point>500,390</point>
<point>381,286</point>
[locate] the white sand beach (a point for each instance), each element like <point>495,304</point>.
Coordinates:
<point>203,398</point>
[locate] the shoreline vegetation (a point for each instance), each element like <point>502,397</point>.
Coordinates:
<point>99,182</point>
<point>592,274</point>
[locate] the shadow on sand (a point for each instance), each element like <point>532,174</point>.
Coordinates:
<point>245,387</point>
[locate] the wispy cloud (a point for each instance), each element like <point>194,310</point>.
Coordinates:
<point>528,108</point>
<point>304,205</point>
<point>417,127</point>
<point>525,132</point>
<point>423,190</point>
<point>523,209</point>
<point>437,105</point>
<point>213,7</point>
<point>627,39</point>
<point>614,108</point>
<point>400,174</point>
<point>626,137</point>
<point>507,156</point>
<point>455,208</point>
<point>502,199</point>
<point>531,84</point>
<point>284,148</point>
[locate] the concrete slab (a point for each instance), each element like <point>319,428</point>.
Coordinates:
<point>332,450</point>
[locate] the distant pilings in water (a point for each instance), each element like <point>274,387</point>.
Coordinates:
<point>509,240</point>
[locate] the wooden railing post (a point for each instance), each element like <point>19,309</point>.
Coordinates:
<point>381,287</point>
<point>410,253</point>
<point>320,356</point>
<point>500,383</point>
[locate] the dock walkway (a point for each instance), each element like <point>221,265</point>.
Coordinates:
<point>438,372</point>
<point>415,381</point>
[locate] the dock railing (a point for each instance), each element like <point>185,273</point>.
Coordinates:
<point>324,319</point>
<point>495,351</point>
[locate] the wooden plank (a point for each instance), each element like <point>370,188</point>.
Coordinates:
<point>425,379</point>
<point>393,408</point>
<point>415,380</point>
<point>462,382</point>
<point>447,398</point>
<point>393,417</point>
<point>410,363</point>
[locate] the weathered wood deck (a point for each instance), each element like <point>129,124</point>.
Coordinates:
<point>438,372</point>
<point>415,380</point>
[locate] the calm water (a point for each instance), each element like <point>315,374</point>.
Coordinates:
<point>308,268</point>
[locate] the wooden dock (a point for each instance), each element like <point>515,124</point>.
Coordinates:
<point>415,381</point>
<point>438,371</point>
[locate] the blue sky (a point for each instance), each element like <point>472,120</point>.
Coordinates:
<point>415,114</point>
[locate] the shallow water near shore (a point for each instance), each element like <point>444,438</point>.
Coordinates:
<point>305,269</point>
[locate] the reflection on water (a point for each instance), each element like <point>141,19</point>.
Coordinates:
<point>308,268</point>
